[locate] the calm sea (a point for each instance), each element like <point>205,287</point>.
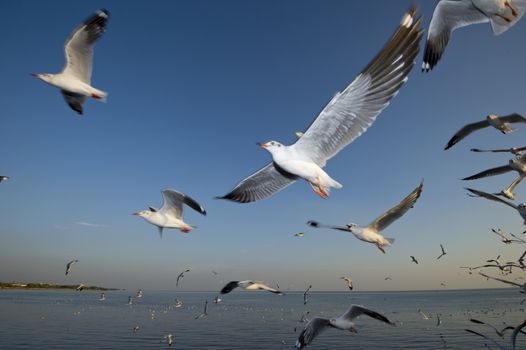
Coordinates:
<point>250,320</point>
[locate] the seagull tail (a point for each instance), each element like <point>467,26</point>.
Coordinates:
<point>390,240</point>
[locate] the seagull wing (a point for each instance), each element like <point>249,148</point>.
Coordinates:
<point>173,203</point>
<point>513,118</point>
<point>497,150</point>
<point>515,183</point>
<point>75,101</point>
<point>352,111</point>
<point>448,16</point>
<point>515,333</point>
<point>261,184</point>
<point>311,331</point>
<point>357,310</point>
<point>397,211</point>
<point>230,286</point>
<point>490,172</point>
<point>79,46</point>
<point>487,338</point>
<point>465,131</point>
<point>491,197</point>
<point>262,286</point>
<point>501,280</point>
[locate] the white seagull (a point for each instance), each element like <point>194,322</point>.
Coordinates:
<point>349,282</point>
<point>452,14</point>
<point>344,322</point>
<point>4,178</point>
<point>102,297</point>
<point>171,213</point>
<point>138,294</point>
<point>371,233</point>
<point>181,275</point>
<point>169,339</point>
<point>205,311</point>
<point>515,164</point>
<point>347,115</point>
<point>69,265</point>
<point>513,338</point>
<point>500,123</point>
<point>80,287</point>
<point>75,79</point>
<point>248,285</point>
<point>521,208</point>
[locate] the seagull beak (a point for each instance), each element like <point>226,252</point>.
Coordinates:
<point>138,214</point>
<point>262,145</point>
<point>34,75</point>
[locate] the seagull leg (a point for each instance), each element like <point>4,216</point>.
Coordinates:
<point>318,189</point>
<point>185,229</point>
<point>381,249</point>
<point>508,20</point>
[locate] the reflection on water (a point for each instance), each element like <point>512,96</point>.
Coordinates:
<point>259,320</point>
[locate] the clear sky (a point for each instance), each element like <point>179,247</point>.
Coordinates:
<point>193,85</point>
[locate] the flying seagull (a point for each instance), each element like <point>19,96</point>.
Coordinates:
<point>305,294</point>
<point>138,294</point>
<point>3,178</point>
<point>443,252</point>
<point>413,259</point>
<point>522,287</point>
<point>171,213</point>
<point>508,192</point>
<point>169,339</point>
<point>205,313</point>
<point>513,150</point>
<point>499,123</point>
<point>75,79</point>
<point>521,259</point>
<point>371,233</point>
<point>519,165</point>
<point>452,14</point>
<point>299,234</point>
<point>80,287</point>
<point>505,239</point>
<point>181,275</point>
<point>521,208</point>
<point>69,265</point>
<point>349,282</point>
<point>423,316</point>
<point>344,322</point>
<point>347,115</point>
<point>513,338</point>
<point>248,285</point>
<point>499,333</point>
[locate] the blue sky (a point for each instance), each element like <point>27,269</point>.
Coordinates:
<point>192,86</point>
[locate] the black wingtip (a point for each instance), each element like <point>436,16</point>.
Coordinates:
<point>313,223</point>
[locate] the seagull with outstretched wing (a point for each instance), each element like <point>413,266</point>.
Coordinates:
<point>520,208</point>
<point>347,115</point>
<point>171,213</point>
<point>452,14</point>
<point>75,79</point>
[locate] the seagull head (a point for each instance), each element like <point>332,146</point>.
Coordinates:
<point>272,146</point>
<point>491,117</point>
<point>351,226</point>
<point>144,213</point>
<point>43,76</point>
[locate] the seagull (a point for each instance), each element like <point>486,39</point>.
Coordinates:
<point>80,287</point>
<point>521,208</point>
<point>217,299</point>
<point>178,303</point>
<point>181,275</point>
<point>138,294</point>
<point>387,278</point>
<point>439,321</point>
<point>513,150</point>
<point>499,123</point>
<point>75,79</point>
<point>516,331</point>
<point>69,264</point>
<point>344,322</point>
<point>521,259</point>
<point>3,178</point>
<point>347,115</point>
<point>522,287</point>
<point>508,192</point>
<point>169,339</point>
<point>413,259</point>
<point>130,300</point>
<point>102,297</point>
<point>171,213</point>
<point>452,14</point>
<point>371,233</point>
<point>349,282</point>
<point>299,234</point>
<point>135,329</point>
<point>519,165</point>
<point>423,315</point>
<point>505,239</point>
<point>305,295</point>
<point>496,260</point>
<point>205,313</point>
<point>443,252</point>
<point>499,333</point>
<point>248,285</point>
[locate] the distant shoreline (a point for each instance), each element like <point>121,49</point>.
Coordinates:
<point>34,286</point>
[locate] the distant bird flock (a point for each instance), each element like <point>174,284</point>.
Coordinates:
<point>346,117</point>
